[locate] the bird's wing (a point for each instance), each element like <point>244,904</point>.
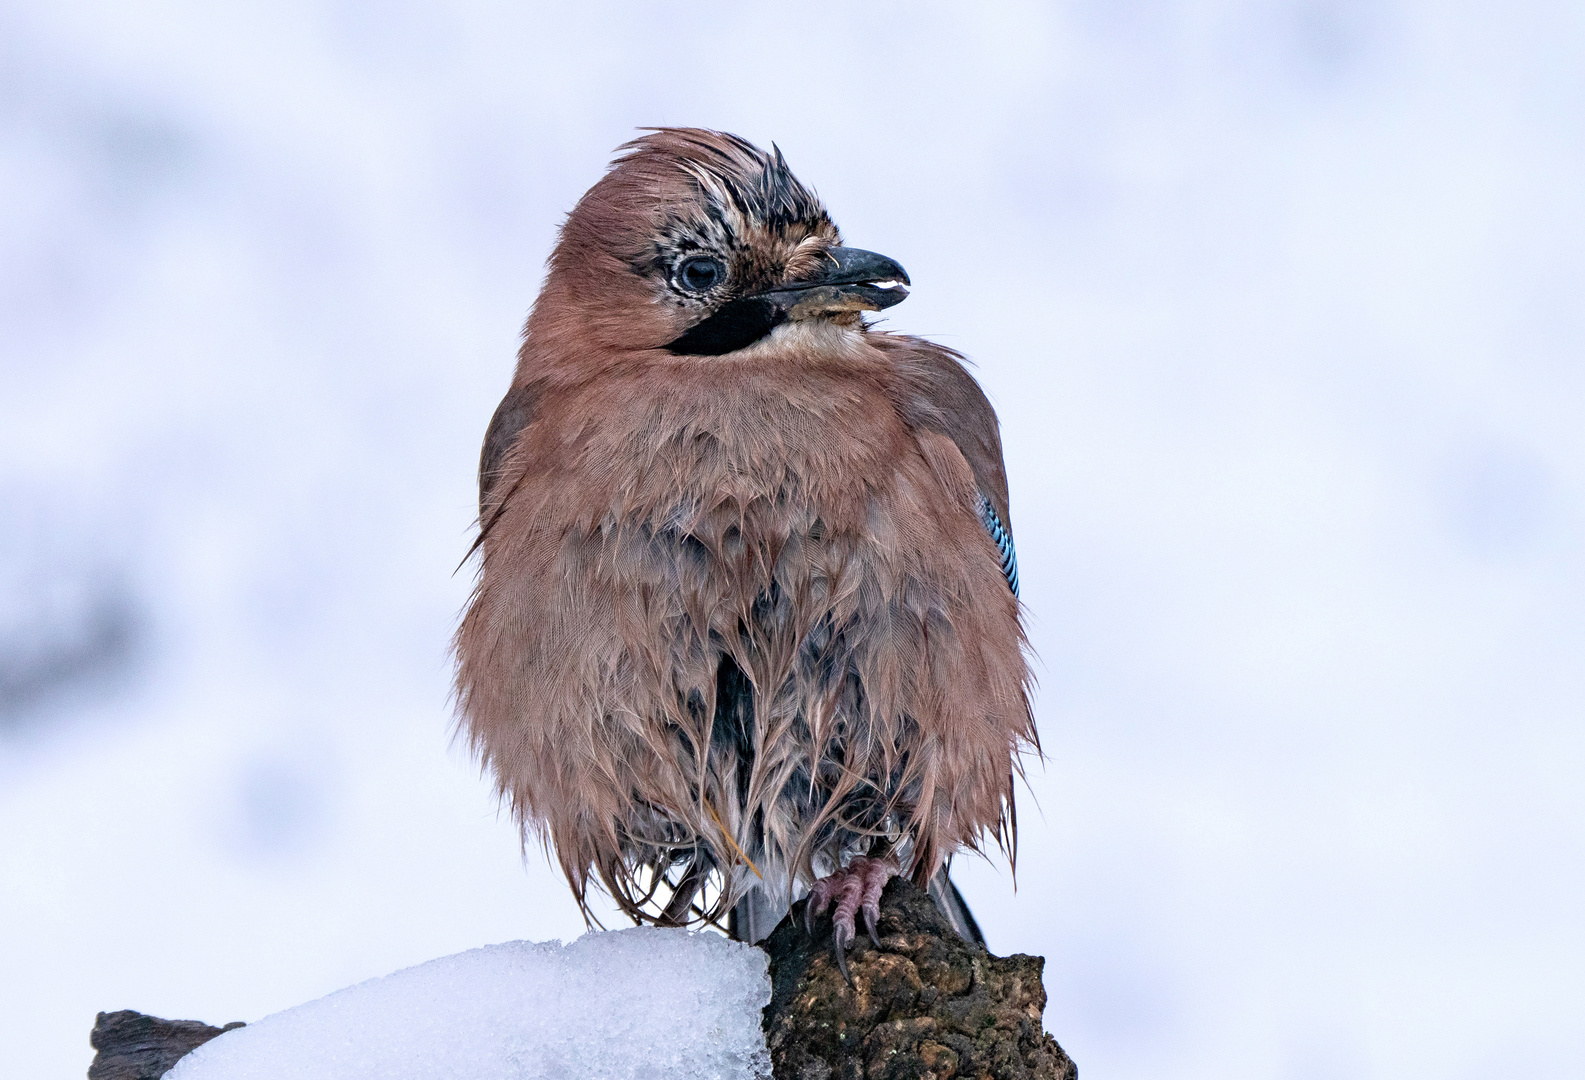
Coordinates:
<point>951,402</point>
<point>1002,537</point>
<point>511,417</point>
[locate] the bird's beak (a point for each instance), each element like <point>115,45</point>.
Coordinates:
<point>849,281</point>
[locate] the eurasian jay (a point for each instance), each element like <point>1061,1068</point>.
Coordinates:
<point>746,622</point>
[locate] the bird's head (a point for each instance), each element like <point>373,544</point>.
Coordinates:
<point>699,243</point>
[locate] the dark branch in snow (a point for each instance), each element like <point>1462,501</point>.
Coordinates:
<point>133,1046</point>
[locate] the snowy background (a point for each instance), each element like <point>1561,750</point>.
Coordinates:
<point>1282,303</point>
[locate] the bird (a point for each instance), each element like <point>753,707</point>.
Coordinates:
<point>746,623</point>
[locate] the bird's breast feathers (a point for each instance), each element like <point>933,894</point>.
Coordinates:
<point>790,521</point>
<point>756,453</point>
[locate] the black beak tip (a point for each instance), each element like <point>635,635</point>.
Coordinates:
<point>857,266</point>
<point>885,298</point>
<point>881,270</point>
<point>880,280</point>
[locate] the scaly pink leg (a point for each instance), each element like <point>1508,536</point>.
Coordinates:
<point>855,887</point>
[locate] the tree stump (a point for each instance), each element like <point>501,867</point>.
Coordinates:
<point>926,1005</point>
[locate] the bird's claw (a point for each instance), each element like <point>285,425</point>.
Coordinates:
<point>857,887</point>
<point>841,938</point>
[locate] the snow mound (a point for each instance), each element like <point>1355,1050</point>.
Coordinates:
<point>643,1002</point>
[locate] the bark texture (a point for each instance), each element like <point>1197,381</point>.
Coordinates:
<point>135,1046</point>
<point>926,1005</point>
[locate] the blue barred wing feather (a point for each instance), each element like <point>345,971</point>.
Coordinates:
<point>1003,541</point>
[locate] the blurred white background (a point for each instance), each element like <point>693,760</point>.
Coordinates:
<point>1282,303</point>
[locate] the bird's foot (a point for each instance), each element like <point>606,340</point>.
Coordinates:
<point>856,887</point>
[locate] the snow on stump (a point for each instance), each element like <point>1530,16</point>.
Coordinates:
<point>926,1005</point>
<point>651,1003</point>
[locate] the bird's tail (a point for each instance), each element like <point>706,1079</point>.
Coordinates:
<point>952,905</point>
<point>754,917</point>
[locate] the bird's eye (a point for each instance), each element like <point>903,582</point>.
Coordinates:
<point>700,274</point>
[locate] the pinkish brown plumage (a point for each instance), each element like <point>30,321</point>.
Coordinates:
<point>742,612</point>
